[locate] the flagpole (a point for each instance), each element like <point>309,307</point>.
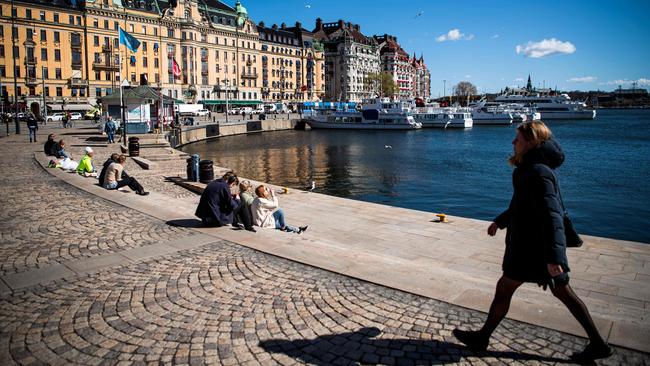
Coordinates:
<point>119,57</point>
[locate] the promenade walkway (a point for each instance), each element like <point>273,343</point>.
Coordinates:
<point>90,276</point>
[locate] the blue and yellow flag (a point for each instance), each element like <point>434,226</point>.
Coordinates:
<point>129,41</point>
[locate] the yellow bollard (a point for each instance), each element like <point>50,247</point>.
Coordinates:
<point>441,217</point>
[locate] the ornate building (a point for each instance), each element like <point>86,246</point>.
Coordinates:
<point>421,78</point>
<point>292,65</point>
<point>396,62</point>
<point>349,58</point>
<point>68,52</point>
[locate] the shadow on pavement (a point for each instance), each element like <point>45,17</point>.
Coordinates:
<point>359,348</point>
<point>194,223</point>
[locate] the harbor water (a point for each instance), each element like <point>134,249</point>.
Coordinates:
<point>604,178</point>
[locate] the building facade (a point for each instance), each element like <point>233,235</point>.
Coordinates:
<point>67,52</point>
<point>421,78</point>
<point>292,65</point>
<point>350,57</point>
<point>396,62</point>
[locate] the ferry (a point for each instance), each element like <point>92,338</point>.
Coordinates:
<point>443,118</point>
<point>375,114</point>
<point>489,115</point>
<point>551,106</point>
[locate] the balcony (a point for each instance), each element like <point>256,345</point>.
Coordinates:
<point>30,60</point>
<point>107,48</point>
<point>249,75</point>
<point>29,81</point>
<point>77,82</point>
<point>204,58</point>
<point>105,65</point>
<point>204,72</point>
<point>77,64</point>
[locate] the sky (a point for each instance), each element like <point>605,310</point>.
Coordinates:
<point>570,44</point>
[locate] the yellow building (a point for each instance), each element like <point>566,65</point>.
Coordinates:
<point>69,55</point>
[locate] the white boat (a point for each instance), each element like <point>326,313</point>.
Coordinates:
<point>443,118</point>
<point>376,114</point>
<point>489,115</point>
<point>551,106</point>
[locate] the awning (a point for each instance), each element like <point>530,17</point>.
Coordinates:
<point>230,102</point>
<point>71,107</point>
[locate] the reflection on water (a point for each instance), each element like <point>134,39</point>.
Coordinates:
<point>458,172</point>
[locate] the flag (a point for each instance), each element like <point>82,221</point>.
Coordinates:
<point>129,41</point>
<point>175,68</point>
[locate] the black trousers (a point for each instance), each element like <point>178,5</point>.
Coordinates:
<point>132,183</point>
<point>244,216</point>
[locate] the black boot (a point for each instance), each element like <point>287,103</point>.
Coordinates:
<point>474,340</point>
<point>592,352</point>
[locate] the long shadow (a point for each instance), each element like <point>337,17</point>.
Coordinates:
<point>194,223</point>
<point>359,347</point>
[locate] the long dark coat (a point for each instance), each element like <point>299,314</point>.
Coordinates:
<point>217,202</point>
<point>535,235</point>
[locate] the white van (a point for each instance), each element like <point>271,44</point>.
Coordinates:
<point>270,108</point>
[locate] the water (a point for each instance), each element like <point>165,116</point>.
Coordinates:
<point>604,178</point>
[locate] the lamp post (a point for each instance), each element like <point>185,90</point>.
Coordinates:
<point>14,30</point>
<point>161,106</point>
<point>225,83</point>
<point>44,105</point>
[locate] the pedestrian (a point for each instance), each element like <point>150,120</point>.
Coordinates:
<point>243,114</point>
<point>218,202</point>
<point>114,180</point>
<point>535,241</point>
<point>65,119</point>
<point>32,125</point>
<point>110,128</point>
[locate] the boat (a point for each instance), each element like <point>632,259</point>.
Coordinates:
<point>550,106</point>
<point>375,114</point>
<point>489,115</point>
<point>443,118</point>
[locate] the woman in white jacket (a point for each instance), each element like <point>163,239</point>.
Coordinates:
<point>266,211</point>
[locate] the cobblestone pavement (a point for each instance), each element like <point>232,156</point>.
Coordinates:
<point>217,304</point>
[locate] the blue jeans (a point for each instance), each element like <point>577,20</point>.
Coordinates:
<point>111,137</point>
<point>32,132</point>
<point>278,215</point>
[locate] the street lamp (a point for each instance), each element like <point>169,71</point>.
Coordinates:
<point>225,83</point>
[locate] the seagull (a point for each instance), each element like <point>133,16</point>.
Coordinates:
<point>447,124</point>
<point>312,186</point>
<point>419,14</point>
<point>388,147</point>
<point>308,6</point>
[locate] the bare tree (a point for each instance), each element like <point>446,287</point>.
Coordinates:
<point>463,90</point>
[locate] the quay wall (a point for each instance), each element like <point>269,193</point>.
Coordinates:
<point>190,134</point>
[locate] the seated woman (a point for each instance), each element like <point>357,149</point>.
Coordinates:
<point>114,174</point>
<point>243,214</point>
<point>266,211</point>
<point>218,203</point>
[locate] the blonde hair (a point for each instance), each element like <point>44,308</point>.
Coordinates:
<point>244,186</point>
<point>534,132</point>
<point>260,191</point>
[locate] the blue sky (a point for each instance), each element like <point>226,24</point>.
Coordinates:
<point>571,44</point>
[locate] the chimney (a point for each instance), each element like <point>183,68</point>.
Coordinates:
<point>319,24</point>
<point>298,25</point>
<point>262,23</point>
<point>283,25</point>
<point>275,27</point>
<point>341,24</point>
<point>356,27</point>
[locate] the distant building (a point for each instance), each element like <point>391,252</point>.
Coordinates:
<point>421,78</point>
<point>349,57</point>
<point>395,61</point>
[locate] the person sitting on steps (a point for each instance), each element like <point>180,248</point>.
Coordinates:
<point>113,179</point>
<point>268,214</point>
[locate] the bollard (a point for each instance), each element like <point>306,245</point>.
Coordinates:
<point>193,168</point>
<point>134,146</point>
<point>206,173</point>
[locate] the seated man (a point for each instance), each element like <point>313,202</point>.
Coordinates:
<point>218,204</point>
<point>114,174</point>
<point>85,166</point>
<point>48,147</point>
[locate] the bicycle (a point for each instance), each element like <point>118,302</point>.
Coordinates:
<point>67,124</point>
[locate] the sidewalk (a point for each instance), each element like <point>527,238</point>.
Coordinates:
<point>454,262</point>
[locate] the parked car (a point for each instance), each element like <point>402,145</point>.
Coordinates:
<point>202,112</point>
<point>56,117</point>
<point>234,111</point>
<point>75,116</point>
<point>246,110</point>
<point>258,110</point>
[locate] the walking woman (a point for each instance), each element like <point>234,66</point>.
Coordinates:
<point>535,241</point>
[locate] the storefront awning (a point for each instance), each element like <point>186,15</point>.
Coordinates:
<point>230,102</point>
<point>70,107</point>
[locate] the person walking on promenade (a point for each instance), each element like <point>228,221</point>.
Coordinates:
<point>218,204</point>
<point>113,178</point>
<point>32,125</point>
<point>267,212</point>
<point>110,128</point>
<point>535,241</point>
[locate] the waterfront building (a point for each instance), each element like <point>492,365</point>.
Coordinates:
<point>350,57</point>
<point>421,79</point>
<point>292,64</point>
<point>395,61</point>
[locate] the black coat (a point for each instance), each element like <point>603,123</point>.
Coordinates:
<point>535,235</point>
<point>217,202</point>
<point>49,147</point>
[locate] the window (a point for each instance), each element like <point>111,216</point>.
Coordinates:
<point>14,32</point>
<point>2,31</point>
<point>19,91</point>
<point>44,54</point>
<point>3,72</point>
<point>2,51</point>
<point>133,77</point>
<point>96,23</point>
<point>71,19</point>
<point>30,34</point>
<point>56,17</point>
<point>131,28</point>
<point>144,29</point>
<point>155,31</point>
<point>57,55</point>
<point>59,91</point>
<point>82,92</point>
<point>144,46</point>
<point>98,75</point>
<point>57,37</point>
<point>73,92</point>
<point>170,32</point>
<point>96,40</point>
<point>78,20</point>
<point>116,26</point>
<point>16,52</point>
<point>98,92</point>
<point>57,73</point>
<point>145,62</point>
<point>157,78</point>
<point>43,35</point>
<point>17,72</point>
<point>156,64</point>
<point>28,13</point>
<point>105,24</point>
<point>47,91</point>
<point>42,16</point>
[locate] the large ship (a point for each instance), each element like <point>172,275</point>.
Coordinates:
<point>550,106</point>
<point>375,114</point>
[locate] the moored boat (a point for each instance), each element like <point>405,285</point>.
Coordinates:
<point>375,114</point>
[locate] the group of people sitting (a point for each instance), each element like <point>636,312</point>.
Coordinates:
<point>226,201</point>
<point>112,175</point>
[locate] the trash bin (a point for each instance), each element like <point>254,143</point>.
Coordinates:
<point>206,173</point>
<point>134,146</point>
<point>193,168</point>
